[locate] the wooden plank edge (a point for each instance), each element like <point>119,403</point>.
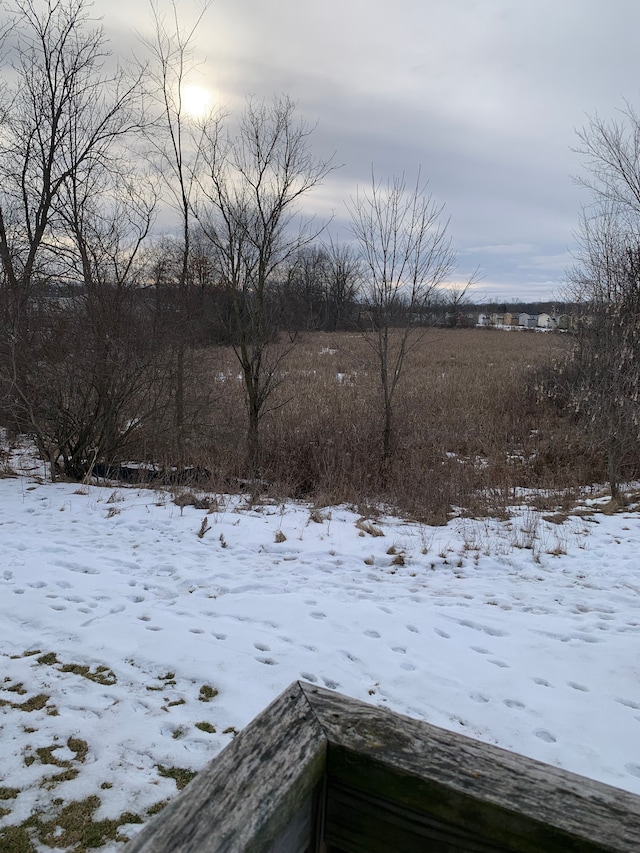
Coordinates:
<point>246,796</point>
<point>606,817</point>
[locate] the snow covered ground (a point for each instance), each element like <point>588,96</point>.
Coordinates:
<point>133,648</point>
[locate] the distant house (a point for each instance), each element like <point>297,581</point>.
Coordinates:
<point>565,322</point>
<point>528,321</point>
<point>503,319</point>
<point>524,320</point>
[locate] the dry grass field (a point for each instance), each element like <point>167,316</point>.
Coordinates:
<point>468,425</point>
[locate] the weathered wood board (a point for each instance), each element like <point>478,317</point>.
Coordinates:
<point>252,793</point>
<point>502,798</point>
<point>318,772</point>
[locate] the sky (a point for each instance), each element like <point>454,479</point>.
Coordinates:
<point>484,96</point>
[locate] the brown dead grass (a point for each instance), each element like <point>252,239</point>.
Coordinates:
<point>468,428</point>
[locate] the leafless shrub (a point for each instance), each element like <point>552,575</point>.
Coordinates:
<point>204,527</point>
<point>369,527</point>
<point>197,502</point>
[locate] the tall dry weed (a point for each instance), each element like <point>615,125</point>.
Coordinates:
<point>469,429</point>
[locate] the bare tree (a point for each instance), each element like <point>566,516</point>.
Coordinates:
<point>304,289</point>
<point>175,143</point>
<point>406,254</point>
<point>610,151</point>
<point>597,382</point>
<point>454,299</point>
<point>600,381</point>
<point>320,287</point>
<point>62,115</point>
<point>343,279</point>
<point>67,224</point>
<point>254,181</point>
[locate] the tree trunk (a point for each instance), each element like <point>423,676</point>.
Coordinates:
<point>253,442</point>
<point>613,474</point>
<point>180,400</point>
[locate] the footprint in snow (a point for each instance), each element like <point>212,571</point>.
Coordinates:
<point>485,629</point>
<point>373,634</point>
<point>408,667</point>
<point>318,615</point>
<point>261,647</point>
<point>154,628</point>
<point>579,687</point>
<point>442,633</point>
<point>413,629</point>
<point>219,636</point>
<point>629,704</point>
<point>267,661</point>
<point>634,769</point>
<point>502,664</point>
<point>478,697</point>
<point>196,631</point>
<point>544,735</point>
<point>87,713</point>
<point>399,650</point>
<point>480,650</point>
<point>513,703</point>
<point>542,682</point>
<point>332,685</point>
<point>309,676</point>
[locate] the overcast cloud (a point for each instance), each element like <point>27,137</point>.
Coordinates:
<point>483,95</point>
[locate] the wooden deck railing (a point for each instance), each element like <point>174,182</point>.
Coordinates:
<point>317,772</point>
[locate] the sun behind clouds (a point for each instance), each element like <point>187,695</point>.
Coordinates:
<point>197,100</point>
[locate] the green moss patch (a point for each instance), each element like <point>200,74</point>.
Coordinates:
<point>181,775</point>
<point>173,704</point>
<point>156,808</point>
<point>46,755</point>
<point>16,839</point>
<point>101,675</point>
<point>26,654</point>
<point>9,793</point>
<point>17,688</point>
<point>72,829</point>
<point>207,693</point>
<point>35,703</point>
